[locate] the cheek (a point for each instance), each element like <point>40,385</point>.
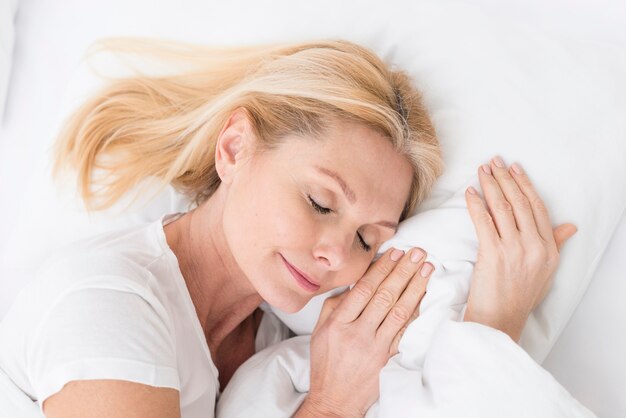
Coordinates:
<point>292,227</point>
<point>261,218</point>
<point>349,275</point>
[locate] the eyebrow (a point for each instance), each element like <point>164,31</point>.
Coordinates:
<point>350,195</point>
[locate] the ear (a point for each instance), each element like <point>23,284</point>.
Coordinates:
<point>235,144</point>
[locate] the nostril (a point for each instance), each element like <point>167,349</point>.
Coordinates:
<point>333,252</point>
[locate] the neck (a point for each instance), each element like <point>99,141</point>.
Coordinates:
<point>222,295</point>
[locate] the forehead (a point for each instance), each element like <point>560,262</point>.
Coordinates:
<point>378,175</point>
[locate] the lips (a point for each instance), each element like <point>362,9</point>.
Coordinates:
<point>302,279</point>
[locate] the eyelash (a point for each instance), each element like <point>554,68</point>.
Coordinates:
<point>324,211</point>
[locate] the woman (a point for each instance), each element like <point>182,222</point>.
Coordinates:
<point>302,160</point>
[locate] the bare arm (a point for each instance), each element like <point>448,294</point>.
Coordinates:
<point>111,399</point>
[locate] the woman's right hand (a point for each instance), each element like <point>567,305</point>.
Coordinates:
<point>359,330</point>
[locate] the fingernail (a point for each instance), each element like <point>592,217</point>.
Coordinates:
<point>396,254</point>
<point>486,169</point>
<point>426,270</point>
<point>498,162</point>
<point>416,255</point>
<point>517,168</point>
<point>471,190</point>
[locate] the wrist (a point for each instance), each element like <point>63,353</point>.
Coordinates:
<point>512,326</point>
<point>323,408</point>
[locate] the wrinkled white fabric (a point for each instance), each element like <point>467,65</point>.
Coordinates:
<point>470,370</point>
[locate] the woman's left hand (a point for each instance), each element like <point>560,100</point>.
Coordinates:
<point>518,249</point>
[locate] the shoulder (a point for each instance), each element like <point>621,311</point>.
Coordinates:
<point>106,398</point>
<point>95,295</point>
<point>122,257</point>
<point>101,333</point>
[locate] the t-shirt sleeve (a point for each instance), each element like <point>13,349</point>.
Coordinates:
<point>102,333</point>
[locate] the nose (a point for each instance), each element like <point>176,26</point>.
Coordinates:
<point>333,250</point>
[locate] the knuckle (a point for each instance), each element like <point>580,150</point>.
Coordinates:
<point>503,206</point>
<point>539,206</point>
<point>399,314</point>
<point>484,217</point>
<point>415,285</point>
<point>383,268</point>
<point>405,269</point>
<point>383,298</point>
<point>525,183</point>
<point>504,177</point>
<point>521,201</point>
<point>363,291</point>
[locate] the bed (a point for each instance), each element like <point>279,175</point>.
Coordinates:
<point>41,47</point>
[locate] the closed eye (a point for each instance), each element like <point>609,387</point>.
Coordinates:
<point>317,207</point>
<point>324,211</point>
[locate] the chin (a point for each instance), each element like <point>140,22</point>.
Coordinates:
<point>288,301</point>
<point>282,296</point>
<point>279,289</point>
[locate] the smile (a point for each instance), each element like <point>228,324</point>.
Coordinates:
<point>300,278</point>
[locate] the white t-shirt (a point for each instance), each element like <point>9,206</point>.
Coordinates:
<point>114,307</point>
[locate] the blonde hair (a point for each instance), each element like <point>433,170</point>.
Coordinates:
<point>167,126</point>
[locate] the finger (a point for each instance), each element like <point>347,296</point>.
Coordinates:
<point>360,295</point>
<point>522,212</point>
<point>562,233</point>
<point>540,212</point>
<point>392,288</point>
<point>499,207</point>
<point>395,344</point>
<point>399,316</point>
<point>483,222</point>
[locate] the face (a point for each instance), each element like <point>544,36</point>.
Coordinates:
<point>318,207</point>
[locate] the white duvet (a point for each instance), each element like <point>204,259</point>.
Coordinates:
<point>445,368</point>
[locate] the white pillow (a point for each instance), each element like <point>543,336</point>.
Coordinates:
<point>555,105</point>
<point>492,87</point>
<point>8,10</point>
